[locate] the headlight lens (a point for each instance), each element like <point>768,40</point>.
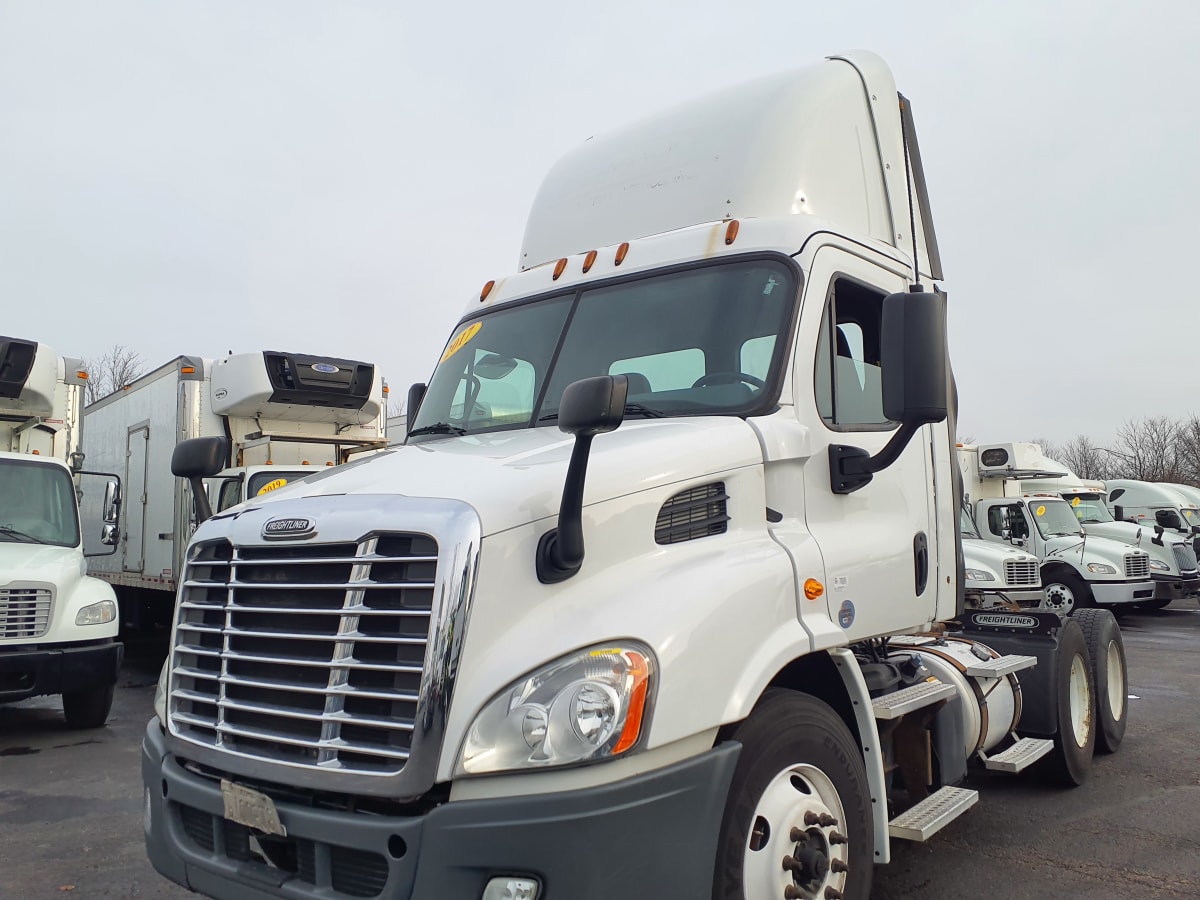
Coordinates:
<point>1101,569</point>
<point>160,694</point>
<point>1159,566</point>
<point>585,707</point>
<point>97,613</point>
<point>978,575</point>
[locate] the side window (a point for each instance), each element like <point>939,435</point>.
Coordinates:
<point>755,356</point>
<point>230,493</point>
<point>675,370</point>
<point>849,390</point>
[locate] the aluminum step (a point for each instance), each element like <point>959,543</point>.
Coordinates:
<point>1021,755</point>
<point>1001,666</point>
<point>933,813</point>
<point>913,640</point>
<point>896,704</point>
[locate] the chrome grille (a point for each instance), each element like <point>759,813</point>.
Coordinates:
<point>695,513</point>
<point>1021,571</point>
<point>1185,557</point>
<point>308,654</point>
<point>1137,565</point>
<point>24,612</point>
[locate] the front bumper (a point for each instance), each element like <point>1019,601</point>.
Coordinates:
<point>60,669</point>
<point>652,836</point>
<point>1109,593</point>
<point>1173,587</point>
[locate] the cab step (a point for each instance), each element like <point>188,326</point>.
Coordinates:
<point>933,813</point>
<point>1020,756</point>
<point>898,703</point>
<point>1001,666</point>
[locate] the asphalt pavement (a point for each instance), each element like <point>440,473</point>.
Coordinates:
<point>71,811</point>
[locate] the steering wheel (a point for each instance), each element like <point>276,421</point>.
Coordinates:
<point>728,378</point>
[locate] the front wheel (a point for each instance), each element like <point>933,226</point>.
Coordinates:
<point>797,821</point>
<point>88,709</point>
<point>1065,593</point>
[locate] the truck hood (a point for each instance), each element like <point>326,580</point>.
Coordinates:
<point>980,554</point>
<point>59,566</point>
<point>512,478</point>
<point>1074,548</point>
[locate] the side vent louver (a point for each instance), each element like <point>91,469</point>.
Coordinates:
<point>695,513</point>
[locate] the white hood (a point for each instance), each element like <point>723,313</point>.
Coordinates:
<point>981,554</point>
<point>512,478</point>
<point>59,566</point>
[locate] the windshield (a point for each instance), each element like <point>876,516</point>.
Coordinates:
<point>704,341</point>
<point>1191,516</point>
<point>1089,509</point>
<point>966,524</point>
<point>1054,517</point>
<point>230,492</point>
<point>37,504</point>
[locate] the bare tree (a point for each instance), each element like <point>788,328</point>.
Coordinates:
<point>1085,459</point>
<point>1147,450</point>
<point>1188,450</point>
<point>113,371</point>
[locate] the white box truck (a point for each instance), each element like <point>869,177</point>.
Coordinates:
<point>662,596</point>
<point>1079,569</point>
<point>286,415</point>
<point>57,624</point>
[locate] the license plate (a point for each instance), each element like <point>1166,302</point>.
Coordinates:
<point>251,808</point>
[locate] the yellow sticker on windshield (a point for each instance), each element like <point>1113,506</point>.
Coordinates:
<point>1041,510</point>
<point>271,486</point>
<point>461,341</point>
<point>1074,501</point>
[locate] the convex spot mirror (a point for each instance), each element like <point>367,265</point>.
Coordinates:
<point>913,356</point>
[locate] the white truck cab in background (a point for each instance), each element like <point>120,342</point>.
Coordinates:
<point>1078,569</point>
<point>997,576</point>
<point>662,596</point>
<point>286,415</point>
<point>57,624</point>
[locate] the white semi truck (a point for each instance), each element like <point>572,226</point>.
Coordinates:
<point>286,415</point>
<point>662,597</point>
<point>57,624</point>
<point>997,576</point>
<point>1079,569</point>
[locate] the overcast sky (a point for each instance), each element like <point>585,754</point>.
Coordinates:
<point>340,177</point>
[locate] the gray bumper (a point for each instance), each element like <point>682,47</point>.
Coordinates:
<point>1108,593</point>
<point>62,669</point>
<point>651,836</point>
<point>1173,587</point>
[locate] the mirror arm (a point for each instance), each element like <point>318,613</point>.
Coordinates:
<point>560,550</point>
<point>200,499</point>
<point>851,468</point>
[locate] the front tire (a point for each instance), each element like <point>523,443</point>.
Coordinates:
<point>1065,593</point>
<point>1107,650</point>
<point>88,709</point>
<point>1075,698</point>
<point>798,817</point>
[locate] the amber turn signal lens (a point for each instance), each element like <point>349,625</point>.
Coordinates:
<point>813,588</point>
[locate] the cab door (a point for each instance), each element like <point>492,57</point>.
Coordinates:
<point>879,543</point>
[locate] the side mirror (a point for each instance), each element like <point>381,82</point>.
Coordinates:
<point>197,459</point>
<point>416,393</point>
<point>109,535</point>
<point>112,504</point>
<point>589,407</point>
<point>1168,518</point>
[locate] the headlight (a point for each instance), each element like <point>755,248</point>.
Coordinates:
<point>1159,566</point>
<point>978,575</point>
<point>585,707</point>
<point>160,694</point>
<point>97,614</point>
<point>1101,569</point>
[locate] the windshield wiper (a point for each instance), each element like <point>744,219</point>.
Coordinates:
<point>18,536</point>
<point>438,428</point>
<point>635,408</point>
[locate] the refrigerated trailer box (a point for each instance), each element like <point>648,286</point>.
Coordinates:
<point>286,415</point>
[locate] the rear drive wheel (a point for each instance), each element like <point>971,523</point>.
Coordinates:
<point>1107,650</point>
<point>88,709</point>
<point>798,817</point>
<point>1075,699</point>
<point>1064,593</point>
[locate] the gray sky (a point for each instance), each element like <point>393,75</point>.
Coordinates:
<point>341,177</point>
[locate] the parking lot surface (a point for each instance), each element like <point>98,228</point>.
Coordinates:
<point>71,812</point>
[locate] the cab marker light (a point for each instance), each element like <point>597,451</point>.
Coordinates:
<point>622,252</point>
<point>589,261</point>
<point>731,232</point>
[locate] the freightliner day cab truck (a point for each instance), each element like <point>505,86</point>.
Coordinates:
<point>1173,565</point>
<point>1079,569</point>
<point>1173,507</point>
<point>57,624</point>
<point>286,415</point>
<point>662,595</point>
<point>995,575</point>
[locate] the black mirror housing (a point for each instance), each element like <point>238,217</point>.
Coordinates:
<point>593,406</point>
<point>913,359</point>
<point>199,457</point>
<point>416,393</point>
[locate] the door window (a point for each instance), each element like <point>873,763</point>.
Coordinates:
<point>849,389</point>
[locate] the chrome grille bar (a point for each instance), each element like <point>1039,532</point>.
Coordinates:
<point>25,612</point>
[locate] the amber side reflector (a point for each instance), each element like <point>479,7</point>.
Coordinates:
<point>637,703</point>
<point>589,260</point>
<point>622,252</point>
<point>36,452</point>
<point>81,375</point>
<point>813,588</point>
<point>487,289</point>
<point>386,389</point>
<point>304,463</point>
<point>559,268</point>
<point>731,231</point>
<point>188,370</point>
<point>329,464</point>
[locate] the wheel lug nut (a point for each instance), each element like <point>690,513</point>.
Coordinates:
<point>836,837</point>
<point>791,864</point>
<point>826,820</point>
<point>797,835</point>
<point>837,866</point>
<point>833,894</point>
<point>791,892</point>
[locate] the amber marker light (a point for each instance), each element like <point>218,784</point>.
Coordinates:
<point>559,268</point>
<point>813,588</point>
<point>639,670</point>
<point>622,252</point>
<point>81,375</point>
<point>188,370</point>
<point>487,289</point>
<point>589,261</point>
<point>731,231</point>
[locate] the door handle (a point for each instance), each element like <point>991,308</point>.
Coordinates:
<point>921,561</point>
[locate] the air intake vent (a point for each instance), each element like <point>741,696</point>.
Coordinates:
<point>694,513</point>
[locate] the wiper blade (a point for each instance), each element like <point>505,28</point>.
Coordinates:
<point>18,536</point>
<point>438,428</point>
<point>630,408</point>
